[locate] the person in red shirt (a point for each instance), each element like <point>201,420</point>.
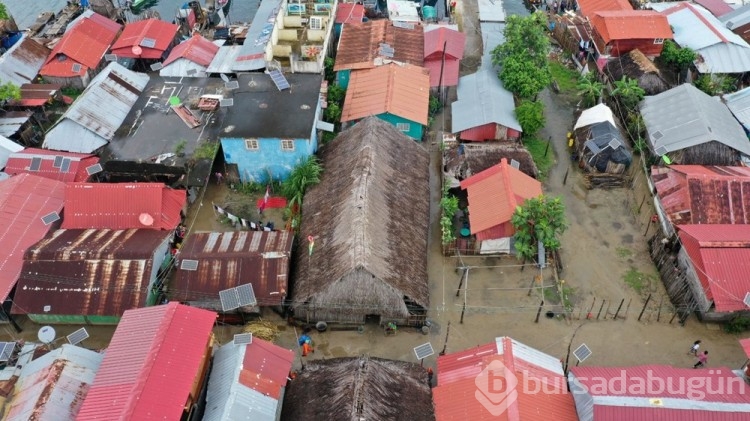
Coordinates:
<point>702,359</point>
<point>307,348</point>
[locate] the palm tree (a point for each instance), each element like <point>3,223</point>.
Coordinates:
<point>590,89</point>
<point>302,177</point>
<point>628,92</point>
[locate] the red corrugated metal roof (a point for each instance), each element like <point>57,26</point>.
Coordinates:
<point>121,205</point>
<point>450,71</point>
<point>360,43</point>
<point>745,344</point>
<point>716,7</point>
<point>197,49</point>
<point>162,33</point>
<point>721,257</point>
<point>437,40</point>
<point>621,413</point>
<point>631,25</point>
<point>151,365</point>
<point>50,165</point>
<point>84,44</point>
<point>24,200</point>
<point>589,7</point>
<point>266,367</point>
<point>455,396</point>
<point>350,13</point>
<point>494,194</point>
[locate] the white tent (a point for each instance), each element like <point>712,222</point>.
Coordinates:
<point>597,114</point>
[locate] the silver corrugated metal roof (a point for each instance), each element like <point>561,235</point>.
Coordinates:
<point>226,399</point>
<point>737,18</point>
<point>50,386</point>
<point>252,53</point>
<point>739,104</point>
<point>493,34</point>
<point>224,59</point>
<point>21,63</point>
<point>7,147</point>
<point>491,11</point>
<point>685,116</point>
<point>183,67</point>
<point>94,117</point>
<point>482,99</point>
<point>722,50</point>
<point>12,122</point>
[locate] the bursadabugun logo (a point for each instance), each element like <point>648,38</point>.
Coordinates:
<point>496,388</point>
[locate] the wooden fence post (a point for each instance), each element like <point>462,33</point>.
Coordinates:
<point>644,307</point>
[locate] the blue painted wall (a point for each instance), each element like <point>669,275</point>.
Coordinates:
<point>342,78</point>
<point>415,129</point>
<point>269,159</point>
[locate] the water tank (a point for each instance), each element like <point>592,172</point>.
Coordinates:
<point>428,12</point>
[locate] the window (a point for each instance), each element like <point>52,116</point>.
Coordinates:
<point>404,127</point>
<point>287,145</point>
<point>251,144</point>
<point>659,41</point>
<point>316,22</point>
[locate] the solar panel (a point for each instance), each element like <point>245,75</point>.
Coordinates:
<point>157,66</point>
<point>243,338</point>
<point>191,72</point>
<point>661,150</point>
<point>94,169</point>
<point>388,54</point>
<point>6,350</point>
<point>189,264</point>
<point>110,57</point>
<point>582,352</point>
<point>65,165</point>
<point>78,336</point>
<point>76,68</point>
<point>403,25</point>
<point>228,298</point>
<point>592,146</point>
<point>36,163</point>
<point>747,299</point>
<point>50,218</point>
<point>423,351</point>
<point>279,80</point>
<point>515,164</point>
<point>614,144</point>
<point>232,85</point>
<point>148,42</point>
<point>226,102</point>
<point>58,161</point>
<point>246,295</point>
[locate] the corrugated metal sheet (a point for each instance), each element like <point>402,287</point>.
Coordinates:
<point>84,44</point>
<point>494,194</point>
<point>493,34</point>
<point>717,8</point>
<point>21,63</point>
<point>403,11</point>
<point>491,11</point>
<point>12,122</point>
<point>737,18</point>
<point>7,148</point>
<point>745,344</point>
<point>92,120</point>
<point>589,8</point>
<point>247,381</point>
<point>434,43</point>
<point>20,162</point>
<point>359,44</point>
<point>163,33</point>
<point>631,25</point>
<point>401,90</point>
<point>121,205</point>
<point>696,194</point>
<point>721,256</point>
<point>90,272</point>
<point>684,116</point>
<point>252,54</point>
<point>151,365</point>
<point>228,259</point>
<point>24,200</point>
<point>739,104</point>
<point>350,13</point>
<point>224,59</point>
<point>197,49</point>
<point>721,50</point>
<point>482,99</point>
<point>52,387</point>
<point>37,94</point>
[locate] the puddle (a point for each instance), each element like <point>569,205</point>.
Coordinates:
<point>627,238</point>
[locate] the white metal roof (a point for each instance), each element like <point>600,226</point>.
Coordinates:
<point>739,104</point>
<point>491,11</point>
<point>403,11</point>
<point>252,51</point>
<point>224,59</point>
<point>482,99</point>
<point>21,63</point>
<point>183,67</point>
<point>685,116</point>
<point>7,147</point>
<point>737,18</point>
<point>92,120</point>
<point>593,115</point>
<point>493,34</point>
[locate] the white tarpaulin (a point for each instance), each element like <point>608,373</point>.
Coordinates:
<point>496,246</point>
<point>595,115</point>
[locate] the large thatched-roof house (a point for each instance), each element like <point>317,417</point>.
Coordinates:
<point>353,389</point>
<point>635,65</point>
<point>369,218</point>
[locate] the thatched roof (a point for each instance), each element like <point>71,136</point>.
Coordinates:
<point>464,160</point>
<point>636,65</point>
<point>369,217</point>
<point>354,389</point>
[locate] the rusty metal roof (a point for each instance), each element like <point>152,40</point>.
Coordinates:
<point>696,194</point>
<point>89,272</point>
<point>152,37</point>
<point>51,164</point>
<point>21,63</point>
<point>197,49</point>
<point>360,44</point>
<point>228,259</point>
<point>401,90</point>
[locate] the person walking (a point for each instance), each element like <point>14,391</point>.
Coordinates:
<point>702,360</point>
<point>219,177</point>
<point>307,348</point>
<point>694,348</point>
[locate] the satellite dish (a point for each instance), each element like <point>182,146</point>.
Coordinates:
<point>137,50</point>
<point>46,334</point>
<point>146,219</point>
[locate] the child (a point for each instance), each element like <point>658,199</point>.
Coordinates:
<point>694,348</point>
<point>307,348</point>
<point>702,360</point>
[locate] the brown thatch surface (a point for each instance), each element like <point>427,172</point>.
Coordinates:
<point>477,157</point>
<point>636,65</point>
<point>710,153</point>
<point>370,218</point>
<point>354,389</point>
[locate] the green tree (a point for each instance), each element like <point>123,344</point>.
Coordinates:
<point>4,12</point>
<point>628,92</point>
<point>330,75</point>
<point>530,115</point>
<point>590,89</point>
<point>449,205</point>
<point>523,77</point>
<point>9,91</point>
<point>524,68</point>
<point>332,114</point>
<point>679,58</point>
<point>336,94</point>
<point>540,218</point>
<point>294,187</point>
<point>714,84</point>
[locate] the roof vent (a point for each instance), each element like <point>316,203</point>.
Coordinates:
<point>110,57</point>
<point>614,144</point>
<point>76,68</point>
<point>515,164</point>
<point>189,265</point>
<point>191,72</point>
<point>157,66</point>
<point>50,218</point>
<point>148,42</point>
<point>657,135</point>
<point>94,169</point>
<point>226,102</point>
<point>730,24</point>
<point>243,338</point>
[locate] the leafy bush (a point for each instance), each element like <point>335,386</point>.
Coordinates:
<point>737,325</point>
<point>530,115</point>
<point>449,206</point>
<point>538,219</point>
<point>679,58</point>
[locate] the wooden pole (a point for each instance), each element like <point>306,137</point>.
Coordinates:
<point>593,303</point>
<point>648,226</point>
<point>644,307</point>
<point>445,344</point>
<point>531,287</point>
<point>547,148</point>
<point>538,312</point>
<point>463,310</point>
<point>641,205</point>
<point>461,280</point>
<point>673,316</point>
<point>619,307</point>
<point>600,309</point>
<point>565,179</point>
<point>658,314</point>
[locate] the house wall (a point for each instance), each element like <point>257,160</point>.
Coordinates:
<point>161,253</point>
<point>618,48</point>
<point>491,131</point>
<point>342,78</point>
<point>269,159</point>
<point>743,31</point>
<point>415,129</point>
<point>683,260</point>
<point>78,82</point>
